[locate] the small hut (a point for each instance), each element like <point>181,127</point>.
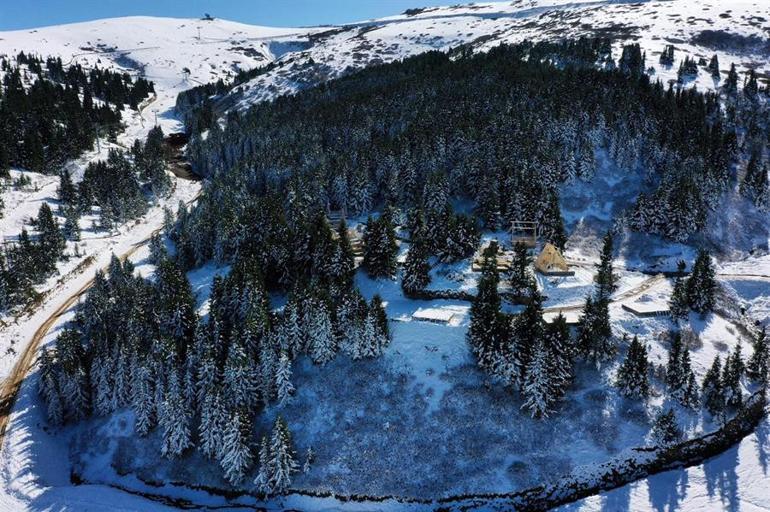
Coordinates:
<point>550,262</point>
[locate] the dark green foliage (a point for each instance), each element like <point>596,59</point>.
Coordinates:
<point>48,116</point>
<point>679,303</point>
<point>605,278</point>
<point>501,130</point>
<point>380,246</point>
<point>713,66</point>
<point>731,378</point>
<point>485,334</point>
<point>688,69</point>
<point>416,268</point>
<point>667,55</point>
<point>665,430</point>
<point>632,376</point>
<point>520,278</point>
<point>757,368</point>
<point>702,285</point>
<point>595,333</point>
<point>713,390</point>
<point>755,186</point>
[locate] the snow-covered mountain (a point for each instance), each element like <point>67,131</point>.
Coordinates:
<point>163,49</point>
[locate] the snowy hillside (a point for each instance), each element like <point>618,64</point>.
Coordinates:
<point>417,392</point>
<point>740,35</point>
<point>161,49</point>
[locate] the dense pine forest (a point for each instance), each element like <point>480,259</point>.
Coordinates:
<point>402,144</point>
<point>502,129</point>
<point>49,114</point>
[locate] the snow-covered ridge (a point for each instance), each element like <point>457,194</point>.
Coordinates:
<point>164,49</point>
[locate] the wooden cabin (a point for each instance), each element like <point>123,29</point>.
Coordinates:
<point>550,262</point>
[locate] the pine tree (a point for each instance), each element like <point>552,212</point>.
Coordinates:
<point>71,228</point>
<point>52,241</point>
<point>757,368</point>
<point>754,185</point>
<point>605,279</point>
<point>539,388</point>
<point>321,335</point>
<point>416,268</point>
<point>595,333</point>
<point>239,377</point>
<point>262,481</point>
<point>731,85</point>
<point>731,379</point>
<point>142,398</point>
<point>484,331</point>
<point>520,278</point>
<point>712,389</point>
<point>285,388</point>
<point>679,302</point>
<point>175,420</point>
<point>213,424</point>
<point>380,247</point>
<point>282,462</point>
<point>309,459</point>
<point>236,454</point>
<point>67,191</point>
<point>632,376</point>
<point>665,430</point>
<point>713,67</point>
<point>701,287</point>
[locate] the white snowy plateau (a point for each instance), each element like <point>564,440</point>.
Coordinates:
<point>178,54</point>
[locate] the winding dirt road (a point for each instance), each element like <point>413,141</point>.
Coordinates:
<point>9,388</point>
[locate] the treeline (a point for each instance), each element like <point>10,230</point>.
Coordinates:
<point>203,383</point>
<point>120,187</point>
<point>49,114</point>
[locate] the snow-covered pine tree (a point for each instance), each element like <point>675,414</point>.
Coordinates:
<point>380,246</point>
<point>416,268</point>
<point>594,332</point>
<point>679,302</point>
<point>323,343</point>
<point>528,332</point>
<point>268,361</point>
<point>101,383</point>
<point>213,424</point>
<point>48,387</point>
<point>282,462</point>
<point>605,278</point>
<point>731,379</point>
<point>632,376</point>
<point>520,277</point>
<point>262,481</point>
<point>240,377</point>
<point>236,455</point>
<point>208,376</point>
<point>484,331</point>
<point>557,339</point>
<point>701,287</point>
<point>665,430</point>
<point>755,186</point>
<point>309,459</point>
<point>142,397</point>
<point>539,390</point>
<point>283,385</point>
<point>175,420</point>
<point>757,368</point>
<point>712,389</point>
